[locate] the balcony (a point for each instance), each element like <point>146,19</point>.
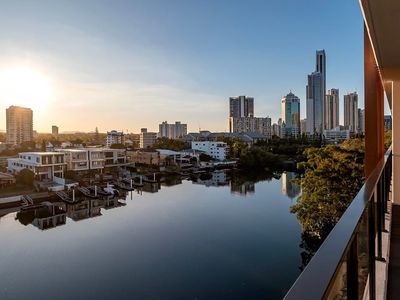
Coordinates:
<point>360,257</point>
<point>352,261</point>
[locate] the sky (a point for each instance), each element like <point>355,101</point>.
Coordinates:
<point>125,65</point>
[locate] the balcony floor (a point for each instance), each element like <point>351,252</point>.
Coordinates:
<point>393,290</point>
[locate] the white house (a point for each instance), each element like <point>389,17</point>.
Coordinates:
<point>217,150</point>
<point>45,165</point>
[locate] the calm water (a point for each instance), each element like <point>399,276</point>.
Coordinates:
<point>218,238</point>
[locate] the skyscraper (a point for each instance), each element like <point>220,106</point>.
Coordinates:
<point>19,123</point>
<point>241,106</point>
<point>241,109</point>
<point>290,105</point>
<point>332,109</point>
<point>361,121</point>
<point>314,104</point>
<point>316,90</point>
<point>351,112</point>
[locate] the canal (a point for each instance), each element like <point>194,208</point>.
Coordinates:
<point>224,236</point>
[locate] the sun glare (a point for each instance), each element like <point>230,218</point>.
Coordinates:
<point>24,86</point>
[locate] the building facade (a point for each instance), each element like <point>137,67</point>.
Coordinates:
<point>387,122</point>
<point>361,121</point>
<point>303,126</point>
<point>351,112</point>
<point>172,131</point>
<point>19,124</point>
<point>290,105</point>
<point>315,91</point>
<point>54,130</point>
<point>147,139</point>
<point>331,109</point>
<point>241,106</point>
<point>251,124</point>
<point>217,150</point>
<point>114,137</point>
<point>45,165</point>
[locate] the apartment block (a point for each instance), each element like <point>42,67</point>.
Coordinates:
<point>19,125</point>
<point>114,137</point>
<point>217,150</point>
<point>251,124</point>
<point>45,165</point>
<point>172,131</point>
<point>147,139</point>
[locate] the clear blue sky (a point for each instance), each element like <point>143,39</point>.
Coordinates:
<point>131,64</point>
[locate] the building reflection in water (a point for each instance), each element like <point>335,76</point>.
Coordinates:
<point>289,188</point>
<point>246,188</point>
<point>45,215</point>
<point>216,179</point>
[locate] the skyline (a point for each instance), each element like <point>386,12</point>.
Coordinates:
<point>147,64</point>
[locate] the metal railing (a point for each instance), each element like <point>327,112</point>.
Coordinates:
<point>344,265</point>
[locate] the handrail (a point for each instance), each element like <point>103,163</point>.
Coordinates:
<point>316,278</point>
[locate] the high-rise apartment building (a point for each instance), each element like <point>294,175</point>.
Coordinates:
<point>331,108</point>
<point>147,139</point>
<point>290,105</point>
<point>320,66</point>
<point>54,130</point>
<point>19,124</point>
<point>251,124</point>
<point>314,104</point>
<point>172,131</point>
<point>114,137</point>
<point>351,112</point>
<point>241,106</point>
<point>303,126</point>
<point>361,121</point>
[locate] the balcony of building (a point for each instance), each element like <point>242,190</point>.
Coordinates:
<point>360,258</point>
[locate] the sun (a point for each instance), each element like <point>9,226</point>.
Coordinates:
<point>24,86</point>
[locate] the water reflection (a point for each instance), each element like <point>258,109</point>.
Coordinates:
<point>173,239</point>
<point>289,188</point>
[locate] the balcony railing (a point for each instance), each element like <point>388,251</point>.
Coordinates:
<point>344,267</point>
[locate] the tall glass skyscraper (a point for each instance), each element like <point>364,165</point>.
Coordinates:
<point>290,105</point>
<point>316,90</point>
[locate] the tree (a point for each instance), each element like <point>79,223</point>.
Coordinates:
<point>333,175</point>
<point>117,146</point>
<point>26,177</point>
<point>170,144</point>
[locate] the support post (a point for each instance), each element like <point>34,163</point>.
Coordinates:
<point>374,125</point>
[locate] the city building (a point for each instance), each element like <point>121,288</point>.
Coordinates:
<point>54,130</point>
<point>241,106</point>
<point>172,131</point>
<point>147,139</point>
<point>351,112</point>
<point>251,124</point>
<point>19,124</point>
<point>45,165</point>
<point>217,150</point>
<point>336,135</point>
<point>115,137</point>
<point>331,109</point>
<point>93,158</point>
<point>361,121</point>
<point>290,105</point>
<point>276,130</point>
<point>303,126</point>
<point>388,122</point>
<point>315,95</point>
<point>314,102</point>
